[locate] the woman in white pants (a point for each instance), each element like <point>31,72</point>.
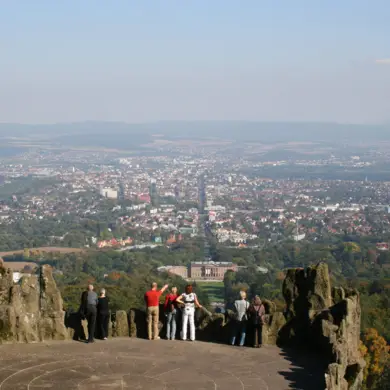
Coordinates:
<point>189,300</point>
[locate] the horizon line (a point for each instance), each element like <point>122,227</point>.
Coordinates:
<point>91,121</point>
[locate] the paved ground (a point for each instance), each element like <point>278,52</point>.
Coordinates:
<point>126,363</point>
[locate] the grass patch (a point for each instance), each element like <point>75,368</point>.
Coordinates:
<point>215,290</point>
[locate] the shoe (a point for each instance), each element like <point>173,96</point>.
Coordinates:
<point>90,341</point>
<point>157,338</point>
<point>184,339</point>
<point>105,338</point>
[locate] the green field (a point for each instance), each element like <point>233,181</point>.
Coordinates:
<point>215,290</point>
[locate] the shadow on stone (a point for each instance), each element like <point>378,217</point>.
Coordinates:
<point>307,372</point>
<point>75,327</point>
<point>138,326</point>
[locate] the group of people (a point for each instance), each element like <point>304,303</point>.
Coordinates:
<point>246,315</point>
<point>188,301</point>
<point>96,311</point>
<point>250,315</point>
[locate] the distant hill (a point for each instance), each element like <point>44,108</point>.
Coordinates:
<point>119,134</point>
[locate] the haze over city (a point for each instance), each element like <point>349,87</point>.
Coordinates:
<point>198,60</point>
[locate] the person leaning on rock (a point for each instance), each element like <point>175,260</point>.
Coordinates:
<point>88,310</point>
<point>152,300</point>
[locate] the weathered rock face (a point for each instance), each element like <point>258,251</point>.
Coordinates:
<point>326,320</point>
<point>31,311</point>
<point>120,325</point>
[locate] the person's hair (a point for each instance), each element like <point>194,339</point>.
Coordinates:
<point>188,289</point>
<point>154,285</point>
<point>103,291</point>
<point>243,294</point>
<point>174,288</point>
<point>257,300</point>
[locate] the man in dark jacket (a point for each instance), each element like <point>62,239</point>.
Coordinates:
<point>88,310</point>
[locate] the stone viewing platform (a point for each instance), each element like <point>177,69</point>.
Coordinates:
<point>131,363</point>
<point>313,344</point>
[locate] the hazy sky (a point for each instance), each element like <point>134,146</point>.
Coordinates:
<point>146,60</point>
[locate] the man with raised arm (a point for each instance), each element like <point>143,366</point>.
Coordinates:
<point>152,300</point>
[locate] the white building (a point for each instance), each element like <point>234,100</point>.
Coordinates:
<point>109,193</point>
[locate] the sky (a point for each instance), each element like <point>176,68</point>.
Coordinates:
<point>152,60</point>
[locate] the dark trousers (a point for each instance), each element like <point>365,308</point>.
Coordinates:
<point>257,335</point>
<point>91,318</point>
<point>103,324</point>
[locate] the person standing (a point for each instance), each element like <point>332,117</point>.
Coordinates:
<point>171,312</point>
<point>241,307</point>
<point>189,300</point>
<point>257,314</point>
<point>103,314</point>
<point>152,298</point>
<point>88,310</point>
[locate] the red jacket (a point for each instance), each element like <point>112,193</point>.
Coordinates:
<point>170,298</point>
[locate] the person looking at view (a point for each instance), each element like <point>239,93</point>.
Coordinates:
<point>88,310</point>
<point>103,314</point>
<point>171,312</point>
<point>189,300</point>
<point>257,314</point>
<point>152,299</point>
<point>241,307</point>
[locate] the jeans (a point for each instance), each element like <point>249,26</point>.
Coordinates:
<point>153,322</point>
<point>188,317</point>
<point>103,323</point>
<point>239,327</point>
<point>171,324</point>
<point>91,318</point>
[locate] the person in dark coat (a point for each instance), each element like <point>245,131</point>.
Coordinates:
<point>103,314</point>
<point>88,310</point>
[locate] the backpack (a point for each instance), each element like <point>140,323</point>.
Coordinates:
<point>257,318</point>
<point>171,306</point>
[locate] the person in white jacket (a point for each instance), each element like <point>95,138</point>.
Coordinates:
<point>190,301</point>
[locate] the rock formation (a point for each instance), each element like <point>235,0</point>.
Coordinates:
<point>31,310</point>
<point>326,320</point>
<point>317,317</point>
<point>120,324</point>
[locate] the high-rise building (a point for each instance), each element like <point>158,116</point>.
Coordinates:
<point>153,192</point>
<point>121,192</point>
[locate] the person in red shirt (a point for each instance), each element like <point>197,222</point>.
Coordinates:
<point>152,298</point>
<point>171,312</point>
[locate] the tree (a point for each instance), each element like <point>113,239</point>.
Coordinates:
<point>375,351</point>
